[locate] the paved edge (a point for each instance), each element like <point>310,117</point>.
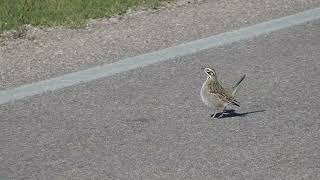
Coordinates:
<point>157,56</point>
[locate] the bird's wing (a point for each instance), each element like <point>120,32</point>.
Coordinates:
<point>224,94</point>
<point>235,102</point>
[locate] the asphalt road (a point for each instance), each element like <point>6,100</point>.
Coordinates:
<point>149,123</point>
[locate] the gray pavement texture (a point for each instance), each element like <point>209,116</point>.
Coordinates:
<point>149,123</point>
<point>47,53</point>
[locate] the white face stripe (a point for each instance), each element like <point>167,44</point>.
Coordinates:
<point>210,72</point>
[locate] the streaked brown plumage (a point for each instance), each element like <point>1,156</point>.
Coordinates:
<point>216,96</point>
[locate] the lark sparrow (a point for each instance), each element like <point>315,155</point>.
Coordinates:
<point>215,96</point>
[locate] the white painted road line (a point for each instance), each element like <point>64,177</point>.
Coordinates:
<point>157,56</point>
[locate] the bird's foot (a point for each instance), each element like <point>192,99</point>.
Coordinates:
<point>221,115</point>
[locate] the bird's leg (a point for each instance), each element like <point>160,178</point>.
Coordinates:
<point>215,113</point>
<point>224,108</point>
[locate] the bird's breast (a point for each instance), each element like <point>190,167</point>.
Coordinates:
<point>208,98</point>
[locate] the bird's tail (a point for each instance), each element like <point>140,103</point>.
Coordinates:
<point>236,86</point>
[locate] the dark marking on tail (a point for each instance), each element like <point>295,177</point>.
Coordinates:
<point>237,84</point>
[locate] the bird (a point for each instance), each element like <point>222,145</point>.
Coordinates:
<point>215,96</point>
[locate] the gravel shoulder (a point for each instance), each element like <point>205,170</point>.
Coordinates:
<point>51,52</point>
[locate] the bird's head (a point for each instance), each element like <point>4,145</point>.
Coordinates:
<point>210,72</point>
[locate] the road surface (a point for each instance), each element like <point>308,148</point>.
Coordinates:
<point>149,122</point>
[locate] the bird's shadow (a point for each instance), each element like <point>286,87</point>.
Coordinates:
<point>232,113</point>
